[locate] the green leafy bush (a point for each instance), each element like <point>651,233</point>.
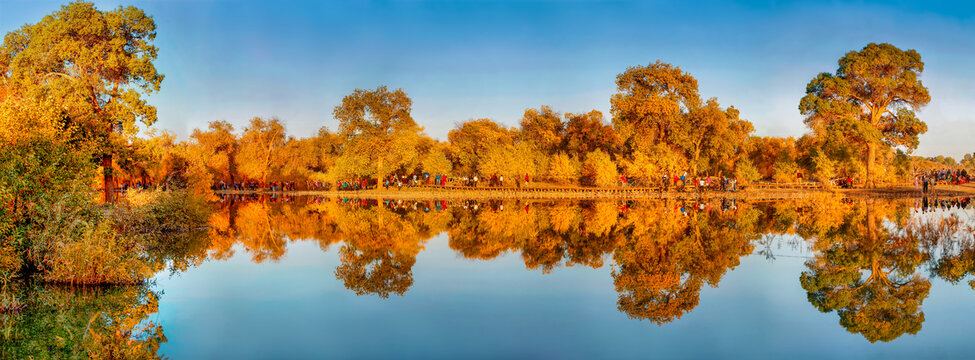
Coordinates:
<point>121,244</point>
<point>746,172</point>
<point>50,223</point>
<point>784,171</point>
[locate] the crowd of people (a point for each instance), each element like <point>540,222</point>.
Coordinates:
<point>700,184</point>
<point>255,185</point>
<point>923,181</point>
<point>400,181</point>
<point>495,180</point>
<point>667,182</point>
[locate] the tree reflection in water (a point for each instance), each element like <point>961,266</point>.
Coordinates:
<point>867,273</point>
<point>663,252</point>
<point>58,322</point>
<point>100,322</point>
<point>669,252</point>
<point>868,266</point>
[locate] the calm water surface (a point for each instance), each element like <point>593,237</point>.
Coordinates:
<point>332,278</point>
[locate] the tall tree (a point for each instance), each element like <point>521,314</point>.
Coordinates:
<point>659,104</point>
<point>219,145</point>
<point>711,135</point>
<point>471,142</point>
<point>379,129</point>
<point>543,129</point>
<point>872,99</point>
<point>651,100</point>
<point>98,65</point>
<point>262,144</point>
<point>588,132</point>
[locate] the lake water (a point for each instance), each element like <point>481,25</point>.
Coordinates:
<point>331,278</point>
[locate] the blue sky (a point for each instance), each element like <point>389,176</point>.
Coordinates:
<point>458,60</point>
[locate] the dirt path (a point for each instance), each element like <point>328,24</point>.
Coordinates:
<point>909,192</point>
<point>539,193</point>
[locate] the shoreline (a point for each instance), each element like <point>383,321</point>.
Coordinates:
<point>894,192</point>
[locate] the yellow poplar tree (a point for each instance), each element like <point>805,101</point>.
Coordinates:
<point>96,65</point>
<point>378,129</point>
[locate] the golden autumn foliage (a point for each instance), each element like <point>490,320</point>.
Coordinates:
<point>660,126</point>
<point>472,141</point>
<point>262,149</point>
<point>599,170</point>
<point>563,169</point>
<point>378,130</point>
<point>94,323</point>
<point>95,67</point>
<point>662,253</point>
<point>660,123</point>
<point>869,104</point>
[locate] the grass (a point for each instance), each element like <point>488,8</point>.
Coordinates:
<point>116,244</point>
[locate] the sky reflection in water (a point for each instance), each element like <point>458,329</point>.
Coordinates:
<point>310,277</point>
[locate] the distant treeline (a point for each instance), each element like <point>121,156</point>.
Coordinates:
<point>77,81</point>
<point>861,119</point>
<point>659,127</point>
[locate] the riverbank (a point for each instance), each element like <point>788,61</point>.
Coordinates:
<point>618,193</point>
<point>910,192</point>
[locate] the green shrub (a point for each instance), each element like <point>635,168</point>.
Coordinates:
<point>171,225</point>
<point>97,254</point>
<point>77,241</point>
<point>10,264</point>
<point>123,244</point>
<point>156,211</point>
<point>746,172</point>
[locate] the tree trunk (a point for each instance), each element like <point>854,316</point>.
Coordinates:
<point>379,169</point>
<point>232,215</point>
<point>871,154</point>
<point>109,180</point>
<point>232,166</point>
<point>871,224</point>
